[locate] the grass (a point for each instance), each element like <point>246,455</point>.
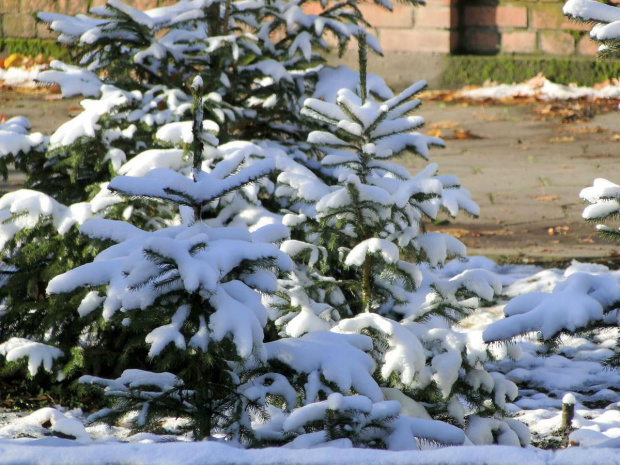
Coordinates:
<point>34,47</point>
<point>463,70</point>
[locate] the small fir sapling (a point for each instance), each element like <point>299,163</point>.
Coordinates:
<point>257,57</point>
<point>134,69</point>
<point>359,214</point>
<point>39,233</point>
<point>329,398</point>
<point>187,292</point>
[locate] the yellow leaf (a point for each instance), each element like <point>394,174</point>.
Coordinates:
<point>14,60</point>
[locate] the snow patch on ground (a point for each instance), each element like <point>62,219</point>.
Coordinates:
<point>20,76</point>
<point>542,89</point>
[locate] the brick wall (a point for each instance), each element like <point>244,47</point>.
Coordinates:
<point>522,27</point>
<point>442,26</point>
<point>481,27</point>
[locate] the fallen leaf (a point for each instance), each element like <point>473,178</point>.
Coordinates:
<point>74,110</point>
<point>457,232</point>
<point>2,118</point>
<point>584,129</point>
<point>454,125</point>
<point>615,137</point>
<point>463,134</point>
<point>547,198</point>
<point>15,60</point>
<point>561,140</point>
<point>434,133</point>
<point>496,232</point>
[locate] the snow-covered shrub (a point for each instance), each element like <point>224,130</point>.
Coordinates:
<point>69,170</point>
<point>605,20</point>
<point>188,293</point>
<point>357,223</point>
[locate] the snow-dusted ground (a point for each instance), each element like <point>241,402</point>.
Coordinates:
<point>56,451</point>
<point>19,76</point>
<point>575,368</point>
<point>542,89</point>
<point>543,381</point>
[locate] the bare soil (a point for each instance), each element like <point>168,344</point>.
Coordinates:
<point>524,165</point>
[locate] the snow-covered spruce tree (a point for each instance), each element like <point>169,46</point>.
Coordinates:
<point>606,21</point>
<point>188,293</point>
<point>360,217</point>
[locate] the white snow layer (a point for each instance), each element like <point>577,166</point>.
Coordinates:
<point>63,452</point>
<point>15,137</point>
<point>20,77</point>
<point>542,89</point>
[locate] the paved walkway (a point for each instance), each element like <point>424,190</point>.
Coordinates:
<point>526,173</point>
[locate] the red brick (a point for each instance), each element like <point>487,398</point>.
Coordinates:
<point>19,25</point>
<point>44,32</point>
<point>441,2</point>
<point>557,43</point>
<point>519,42</point>
<point>312,8</point>
<point>551,19</point>
<point>511,16</point>
<point>401,16</point>
<point>414,40</point>
<point>72,7</point>
<point>143,4</point>
<point>586,46</point>
<point>481,41</point>
<point>34,6</point>
<point>444,17</point>
<point>502,16</point>
<point>545,19</point>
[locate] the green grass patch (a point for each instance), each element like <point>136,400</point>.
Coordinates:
<point>463,70</point>
<point>34,47</point>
